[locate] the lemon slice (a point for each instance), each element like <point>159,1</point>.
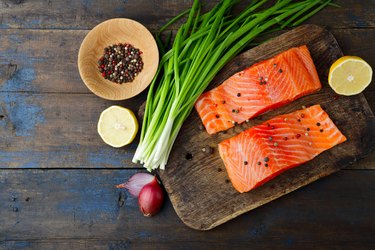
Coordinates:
<point>117,126</point>
<point>349,75</point>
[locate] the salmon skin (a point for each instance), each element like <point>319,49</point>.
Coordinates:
<point>263,86</point>
<point>262,152</point>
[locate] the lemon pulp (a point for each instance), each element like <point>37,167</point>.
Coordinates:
<point>349,75</point>
<point>117,126</point>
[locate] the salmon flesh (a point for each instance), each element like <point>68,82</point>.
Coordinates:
<point>263,152</point>
<point>263,86</point>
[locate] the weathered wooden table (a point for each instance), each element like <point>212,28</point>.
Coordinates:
<point>57,177</point>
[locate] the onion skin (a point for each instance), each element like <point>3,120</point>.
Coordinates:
<point>151,198</point>
<point>135,184</point>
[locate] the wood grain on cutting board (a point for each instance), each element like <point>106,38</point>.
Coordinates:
<point>197,182</point>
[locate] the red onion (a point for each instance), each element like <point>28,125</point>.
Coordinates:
<point>148,190</point>
<point>151,198</point>
<point>136,183</point>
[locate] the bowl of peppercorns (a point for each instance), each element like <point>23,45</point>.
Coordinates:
<point>118,59</point>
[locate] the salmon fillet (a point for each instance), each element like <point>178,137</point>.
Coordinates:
<point>262,152</point>
<point>266,85</point>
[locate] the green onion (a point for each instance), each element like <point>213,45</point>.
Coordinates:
<point>200,49</point>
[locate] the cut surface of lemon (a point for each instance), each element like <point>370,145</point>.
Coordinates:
<point>117,126</point>
<point>349,75</point>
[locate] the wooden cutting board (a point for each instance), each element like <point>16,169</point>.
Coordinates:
<point>197,181</point>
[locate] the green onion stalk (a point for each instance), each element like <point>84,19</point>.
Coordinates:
<point>201,47</point>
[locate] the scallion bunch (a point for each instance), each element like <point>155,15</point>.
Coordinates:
<point>201,47</point>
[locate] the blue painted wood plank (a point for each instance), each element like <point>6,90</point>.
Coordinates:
<point>40,61</point>
<point>76,207</point>
<point>85,14</point>
<point>58,131</point>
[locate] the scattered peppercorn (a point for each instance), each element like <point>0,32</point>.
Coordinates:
<point>299,120</point>
<point>285,138</point>
<point>217,116</point>
<point>223,101</point>
<point>188,156</point>
<point>208,150</point>
<point>321,130</point>
<point>266,159</point>
<point>120,63</point>
<point>233,110</point>
<point>237,110</point>
<point>308,129</point>
<point>270,138</point>
<point>280,71</point>
<point>318,124</point>
<point>266,165</point>
<point>259,163</point>
<point>238,94</point>
<point>245,162</point>
<point>274,65</point>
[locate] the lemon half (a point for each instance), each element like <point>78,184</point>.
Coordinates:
<point>117,126</point>
<point>349,75</point>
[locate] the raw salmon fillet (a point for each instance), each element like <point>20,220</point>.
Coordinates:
<point>262,152</point>
<point>266,85</point>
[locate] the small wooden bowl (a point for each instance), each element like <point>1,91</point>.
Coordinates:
<point>113,31</point>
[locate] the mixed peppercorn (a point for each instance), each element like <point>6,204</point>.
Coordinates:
<point>120,63</point>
